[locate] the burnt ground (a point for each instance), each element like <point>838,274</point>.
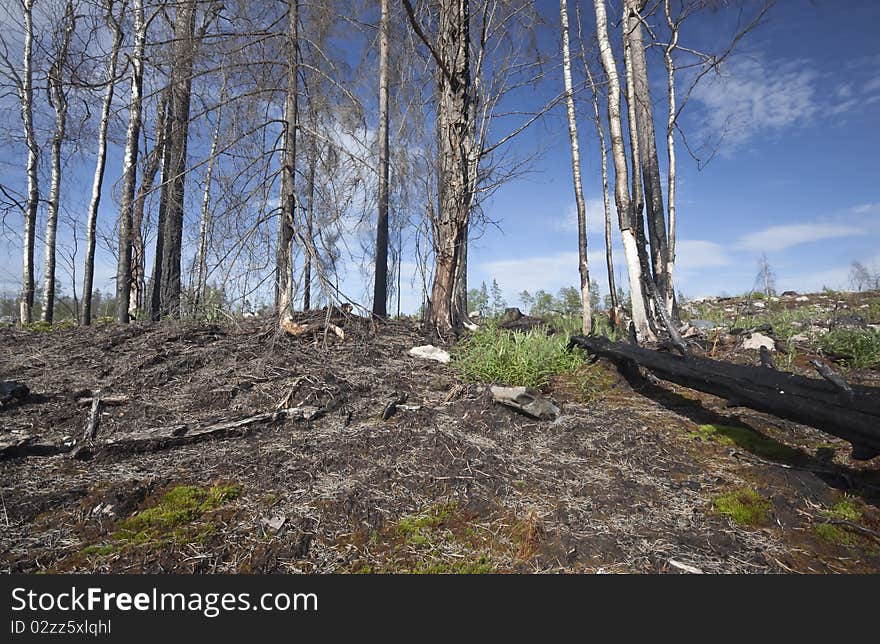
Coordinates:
<point>625,482</point>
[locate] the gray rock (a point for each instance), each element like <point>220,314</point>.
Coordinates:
<point>757,340</point>
<point>527,401</point>
<point>430,352</point>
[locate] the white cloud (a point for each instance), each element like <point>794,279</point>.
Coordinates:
<point>568,221</point>
<point>693,254</point>
<point>777,238</point>
<point>750,96</point>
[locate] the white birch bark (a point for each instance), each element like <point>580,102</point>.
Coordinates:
<point>621,179</point>
<point>583,265</point>
<point>670,151</point>
<point>205,218</point>
<point>58,95</point>
<point>380,285</point>
<point>129,166</point>
<point>100,164</point>
<point>26,97</point>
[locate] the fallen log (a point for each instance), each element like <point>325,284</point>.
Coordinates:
<point>183,434</point>
<point>817,403</point>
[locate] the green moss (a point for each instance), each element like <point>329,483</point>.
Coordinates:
<point>100,549</point>
<point>847,509</point>
<point>744,506</point>
<point>415,528</point>
<point>747,439</point>
<point>481,566</point>
<point>171,520</point>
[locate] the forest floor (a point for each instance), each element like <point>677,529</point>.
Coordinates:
<point>636,477</point>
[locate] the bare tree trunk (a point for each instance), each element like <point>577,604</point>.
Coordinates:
<point>58,97</point>
<point>310,217</point>
<point>204,220</point>
<point>650,166</point>
<point>583,264</point>
<point>455,149</point>
<point>26,97</point>
<point>283,270</point>
<point>670,152</point>
<point>603,152</point>
<point>380,286</point>
<point>129,172</point>
<point>168,281</point>
<point>138,252</point>
<point>626,216</point>
<point>92,217</point>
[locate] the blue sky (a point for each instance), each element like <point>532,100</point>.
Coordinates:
<point>796,175</point>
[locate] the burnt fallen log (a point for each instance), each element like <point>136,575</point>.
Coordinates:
<point>851,415</point>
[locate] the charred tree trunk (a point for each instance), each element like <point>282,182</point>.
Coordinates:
<point>168,279</point>
<point>455,139</point>
<point>310,217</point>
<point>648,160</point>
<point>380,286</point>
<point>853,416</point>
<point>138,251</point>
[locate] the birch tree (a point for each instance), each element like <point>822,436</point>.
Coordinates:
<point>92,216</point>
<point>58,99</point>
<point>583,265</point>
<point>129,167</point>
<point>380,290</point>
<point>625,210</point>
<point>25,86</point>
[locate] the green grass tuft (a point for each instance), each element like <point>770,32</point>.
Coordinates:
<point>515,358</point>
<point>858,348</point>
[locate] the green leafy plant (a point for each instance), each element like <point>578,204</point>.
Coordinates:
<point>858,348</point>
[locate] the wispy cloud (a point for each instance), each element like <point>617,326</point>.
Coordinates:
<point>692,254</point>
<point>777,238</point>
<point>748,97</point>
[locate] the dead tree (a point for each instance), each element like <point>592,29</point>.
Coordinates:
<point>851,413</point>
<point>626,213</point>
<point>455,140</point>
<point>58,99</point>
<point>129,168</point>
<point>166,281</point>
<point>583,265</point>
<point>101,161</point>
<point>380,285</point>
<point>287,216</point>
